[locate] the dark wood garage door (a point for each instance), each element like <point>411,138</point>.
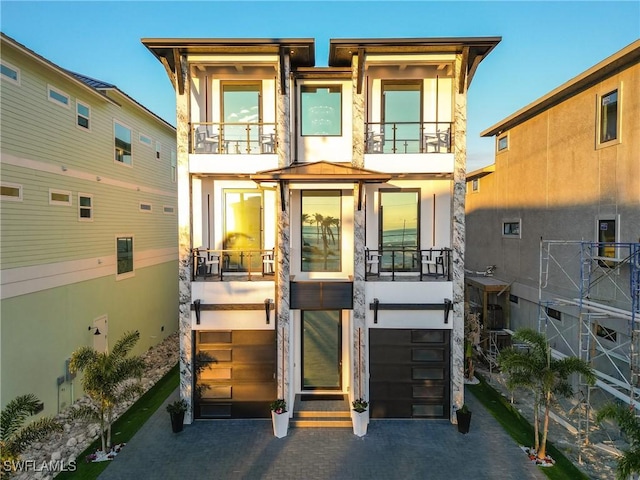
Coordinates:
<point>236,373</point>
<point>410,372</point>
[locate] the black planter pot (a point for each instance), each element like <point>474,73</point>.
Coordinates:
<point>177,422</point>
<point>464,420</point>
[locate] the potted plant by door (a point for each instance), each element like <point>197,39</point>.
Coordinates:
<point>463,415</point>
<point>279,417</point>
<point>360,416</point>
<point>176,411</point>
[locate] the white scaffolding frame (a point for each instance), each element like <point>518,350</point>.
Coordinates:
<point>583,268</point>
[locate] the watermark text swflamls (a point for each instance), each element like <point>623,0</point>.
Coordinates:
<point>34,466</point>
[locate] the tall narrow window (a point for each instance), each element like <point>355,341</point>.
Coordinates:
<point>321,224</point>
<point>399,229</point>
<point>402,116</point>
<point>83,115</point>
<point>321,110</point>
<point>609,117</point>
<point>124,248</point>
<point>607,236</point>
<point>243,229</point>
<point>174,166</point>
<point>122,143</point>
<point>241,111</point>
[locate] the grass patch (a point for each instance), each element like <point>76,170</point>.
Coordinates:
<point>127,425</point>
<point>522,431</point>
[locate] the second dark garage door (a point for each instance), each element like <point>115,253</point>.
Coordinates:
<point>410,373</point>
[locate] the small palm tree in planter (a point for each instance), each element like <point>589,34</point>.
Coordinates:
<point>177,410</point>
<point>463,416</point>
<point>360,416</point>
<point>279,417</point>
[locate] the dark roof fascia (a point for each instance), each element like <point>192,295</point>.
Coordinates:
<point>610,66</point>
<point>481,172</point>
<point>49,64</point>
<point>302,49</point>
<point>474,48</point>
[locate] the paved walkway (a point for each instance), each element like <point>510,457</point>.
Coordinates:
<point>392,449</point>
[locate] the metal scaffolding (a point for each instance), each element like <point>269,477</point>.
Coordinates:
<point>597,282</point>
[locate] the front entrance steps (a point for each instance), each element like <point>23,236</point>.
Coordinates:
<point>320,413</point>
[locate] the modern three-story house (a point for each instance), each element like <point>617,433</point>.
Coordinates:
<point>321,218</point>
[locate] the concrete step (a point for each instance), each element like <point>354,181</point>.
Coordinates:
<point>321,419</point>
<point>321,422</point>
<point>316,413</point>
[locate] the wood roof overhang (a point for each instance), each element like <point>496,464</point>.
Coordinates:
<point>320,172</point>
<point>473,50</point>
<point>172,52</point>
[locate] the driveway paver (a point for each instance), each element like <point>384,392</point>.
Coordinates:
<point>392,449</point>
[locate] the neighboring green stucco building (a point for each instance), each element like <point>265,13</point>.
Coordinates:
<point>88,223</point>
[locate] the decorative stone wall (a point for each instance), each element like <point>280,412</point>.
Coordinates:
<point>458,240</point>
<point>283,269</point>
<point>77,435</point>
<point>359,324</point>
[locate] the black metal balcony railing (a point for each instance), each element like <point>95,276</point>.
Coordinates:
<point>430,263</point>
<point>233,138</point>
<point>409,137</point>
<point>214,264</point>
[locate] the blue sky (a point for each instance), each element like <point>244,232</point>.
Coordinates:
<point>544,43</point>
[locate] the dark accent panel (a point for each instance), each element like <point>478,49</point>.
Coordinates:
<point>321,295</point>
<point>325,397</point>
<point>410,373</point>
<point>240,381</point>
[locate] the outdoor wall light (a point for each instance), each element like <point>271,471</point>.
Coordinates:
<point>267,309</point>
<point>98,179</point>
<point>97,332</point>
<point>64,169</point>
<point>196,305</point>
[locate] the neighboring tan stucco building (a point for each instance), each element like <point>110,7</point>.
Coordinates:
<point>88,222</point>
<point>559,216</point>
<point>321,221</point>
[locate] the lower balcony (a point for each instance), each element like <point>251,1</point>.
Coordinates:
<point>232,265</point>
<point>397,265</point>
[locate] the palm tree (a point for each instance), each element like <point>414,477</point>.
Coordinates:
<point>108,380</point>
<point>536,370</point>
<point>15,437</point>
<point>629,423</point>
<point>318,218</point>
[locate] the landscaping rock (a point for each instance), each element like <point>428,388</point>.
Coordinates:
<point>78,435</point>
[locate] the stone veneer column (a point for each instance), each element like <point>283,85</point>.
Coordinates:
<point>458,241</point>
<point>184,248</point>
<point>283,270</point>
<point>359,377</point>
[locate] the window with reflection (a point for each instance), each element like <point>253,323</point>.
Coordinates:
<point>399,229</point>
<point>122,143</point>
<point>609,117</point>
<point>242,230</point>
<point>321,226</point>
<point>321,110</point>
<point>241,110</point>
<point>402,117</point>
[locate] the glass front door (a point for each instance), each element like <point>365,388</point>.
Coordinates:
<point>402,115</point>
<point>242,230</point>
<point>321,350</point>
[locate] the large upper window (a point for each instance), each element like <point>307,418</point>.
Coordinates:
<point>321,226</point>
<point>321,110</point>
<point>241,109</point>
<point>122,143</point>
<point>124,248</point>
<point>609,117</point>
<point>399,228</point>
<point>402,116</point>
